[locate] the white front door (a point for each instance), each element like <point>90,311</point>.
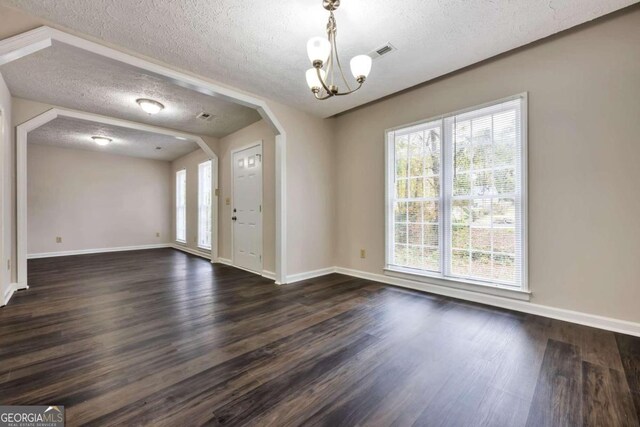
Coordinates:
<point>247,208</point>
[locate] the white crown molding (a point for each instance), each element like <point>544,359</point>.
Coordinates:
<point>25,44</point>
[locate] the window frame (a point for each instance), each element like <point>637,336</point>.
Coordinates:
<point>211,190</point>
<point>177,206</point>
<point>441,278</point>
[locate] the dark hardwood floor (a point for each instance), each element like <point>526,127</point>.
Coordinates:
<point>163,338</point>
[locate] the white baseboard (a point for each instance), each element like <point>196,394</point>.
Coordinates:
<point>195,252</point>
<point>265,273</point>
<point>269,274</point>
<point>13,287</point>
<point>601,322</point>
<point>97,250</point>
<point>293,278</point>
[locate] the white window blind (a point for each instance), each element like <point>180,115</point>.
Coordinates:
<point>416,198</point>
<point>455,196</point>
<point>181,206</point>
<point>204,205</point>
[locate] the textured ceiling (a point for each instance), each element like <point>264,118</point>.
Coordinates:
<point>260,45</point>
<point>75,133</point>
<point>88,82</point>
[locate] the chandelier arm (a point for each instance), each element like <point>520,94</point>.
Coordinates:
<point>322,98</point>
<point>324,85</point>
<point>335,49</point>
<point>351,91</point>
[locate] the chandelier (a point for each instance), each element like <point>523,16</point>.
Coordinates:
<point>323,54</point>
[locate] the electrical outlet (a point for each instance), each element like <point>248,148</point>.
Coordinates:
<point>363,253</point>
<point>58,239</point>
<point>157,234</point>
<point>8,264</point>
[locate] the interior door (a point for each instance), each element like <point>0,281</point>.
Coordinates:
<point>247,208</point>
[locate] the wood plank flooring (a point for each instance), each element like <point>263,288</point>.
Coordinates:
<point>163,338</point>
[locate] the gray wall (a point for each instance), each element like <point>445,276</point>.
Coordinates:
<point>95,200</point>
<point>584,152</point>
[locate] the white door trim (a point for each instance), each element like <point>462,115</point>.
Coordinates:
<point>40,38</point>
<point>22,132</point>
<point>233,152</point>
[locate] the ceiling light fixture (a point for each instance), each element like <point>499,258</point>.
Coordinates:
<point>101,140</point>
<point>323,51</point>
<point>150,106</point>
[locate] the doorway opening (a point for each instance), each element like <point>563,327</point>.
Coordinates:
<point>45,39</point>
<point>52,118</point>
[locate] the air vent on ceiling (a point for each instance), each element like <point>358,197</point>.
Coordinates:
<point>382,50</point>
<point>207,117</point>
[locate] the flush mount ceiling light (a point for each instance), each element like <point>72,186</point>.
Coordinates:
<point>101,140</point>
<point>323,54</point>
<point>150,106</point>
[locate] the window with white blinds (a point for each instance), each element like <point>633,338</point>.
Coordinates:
<point>455,196</point>
<point>204,205</point>
<point>181,206</point>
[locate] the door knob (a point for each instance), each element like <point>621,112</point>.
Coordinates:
<point>234,218</point>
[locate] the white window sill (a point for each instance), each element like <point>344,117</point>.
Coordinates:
<point>203,249</point>
<point>182,242</point>
<point>466,285</point>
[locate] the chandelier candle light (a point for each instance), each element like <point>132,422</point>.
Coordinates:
<point>323,52</point>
